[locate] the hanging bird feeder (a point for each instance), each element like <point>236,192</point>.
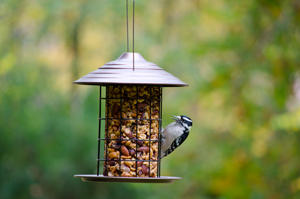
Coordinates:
<point>130,114</point>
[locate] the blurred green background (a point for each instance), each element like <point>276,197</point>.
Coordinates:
<point>240,58</point>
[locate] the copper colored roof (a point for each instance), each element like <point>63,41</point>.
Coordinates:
<point>121,71</point>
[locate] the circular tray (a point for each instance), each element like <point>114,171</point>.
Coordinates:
<point>101,178</point>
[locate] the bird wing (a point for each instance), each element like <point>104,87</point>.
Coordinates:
<point>176,143</point>
<point>163,137</point>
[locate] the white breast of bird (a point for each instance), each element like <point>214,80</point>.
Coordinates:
<point>170,133</point>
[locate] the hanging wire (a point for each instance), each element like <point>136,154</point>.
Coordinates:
<point>133,7</point>
<point>127,30</point>
<point>127,26</point>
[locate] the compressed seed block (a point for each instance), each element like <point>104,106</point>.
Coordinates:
<point>131,146</point>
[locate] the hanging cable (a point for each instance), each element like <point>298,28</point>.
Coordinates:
<point>127,26</point>
<point>133,7</point>
<point>127,30</point>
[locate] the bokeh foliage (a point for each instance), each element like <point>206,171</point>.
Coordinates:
<point>241,59</point>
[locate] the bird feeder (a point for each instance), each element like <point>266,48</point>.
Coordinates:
<point>130,119</point>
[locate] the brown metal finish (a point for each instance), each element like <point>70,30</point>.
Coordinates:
<point>101,178</point>
<point>130,70</point>
<point>121,71</point>
<point>105,97</point>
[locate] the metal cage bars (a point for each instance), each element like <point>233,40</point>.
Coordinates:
<point>106,139</point>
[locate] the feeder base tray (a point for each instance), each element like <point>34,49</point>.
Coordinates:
<point>101,178</point>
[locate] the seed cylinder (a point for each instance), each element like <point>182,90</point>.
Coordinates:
<point>132,131</point>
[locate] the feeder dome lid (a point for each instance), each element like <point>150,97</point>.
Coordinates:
<point>121,71</point>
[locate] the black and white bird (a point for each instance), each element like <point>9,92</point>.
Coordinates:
<point>175,134</point>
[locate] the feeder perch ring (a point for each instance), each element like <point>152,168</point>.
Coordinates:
<point>101,178</point>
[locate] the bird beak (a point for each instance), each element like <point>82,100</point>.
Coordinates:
<point>176,118</point>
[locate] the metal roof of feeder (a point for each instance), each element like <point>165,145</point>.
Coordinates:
<point>121,71</point>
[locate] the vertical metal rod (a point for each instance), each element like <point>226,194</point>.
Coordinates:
<point>136,132</point>
<point>150,121</point>
<point>121,106</point>
<point>99,133</point>
<point>127,26</point>
<point>133,8</point>
<point>159,136</point>
<point>106,125</point>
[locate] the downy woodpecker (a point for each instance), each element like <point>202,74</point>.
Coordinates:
<point>175,134</point>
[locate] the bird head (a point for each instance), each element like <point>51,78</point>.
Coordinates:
<point>183,120</point>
